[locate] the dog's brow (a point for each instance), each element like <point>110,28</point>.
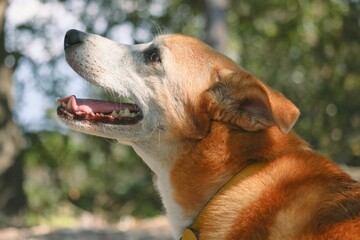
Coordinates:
<point>152,46</point>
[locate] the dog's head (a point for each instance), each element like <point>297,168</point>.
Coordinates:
<point>174,86</point>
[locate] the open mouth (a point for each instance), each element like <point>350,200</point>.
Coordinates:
<point>97,111</point>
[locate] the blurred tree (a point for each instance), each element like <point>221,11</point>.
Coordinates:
<point>94,174</point>
<point>12,197</point>
<point>216,29</point>
<point>309,51</point>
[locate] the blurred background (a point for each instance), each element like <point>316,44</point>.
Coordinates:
<point>309,50</point>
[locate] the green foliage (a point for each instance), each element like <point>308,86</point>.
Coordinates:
<point>309,51</point>
<point>94,174</point>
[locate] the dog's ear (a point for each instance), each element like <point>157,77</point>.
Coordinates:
<point>240,99</point>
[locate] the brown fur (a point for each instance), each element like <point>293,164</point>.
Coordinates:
<point>300,195</point>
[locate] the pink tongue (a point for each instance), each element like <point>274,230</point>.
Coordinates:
<point>91,106</point>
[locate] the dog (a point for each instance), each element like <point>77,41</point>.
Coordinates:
<point>219,140</point>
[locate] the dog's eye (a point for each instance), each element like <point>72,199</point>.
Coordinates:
<point>152,55</point>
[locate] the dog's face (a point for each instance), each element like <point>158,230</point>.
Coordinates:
<point>174,87</point>
<point>151,75</point>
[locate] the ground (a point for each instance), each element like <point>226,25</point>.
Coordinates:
<point>89,227</point>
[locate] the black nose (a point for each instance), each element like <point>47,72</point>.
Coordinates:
<point>73,37</point>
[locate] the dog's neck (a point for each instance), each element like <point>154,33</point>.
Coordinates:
<point>187,181</point>
<point>192,231</point>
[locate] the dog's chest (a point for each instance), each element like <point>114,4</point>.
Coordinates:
<point>173,210</point>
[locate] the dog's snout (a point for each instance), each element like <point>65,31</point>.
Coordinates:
<point>73,37</point>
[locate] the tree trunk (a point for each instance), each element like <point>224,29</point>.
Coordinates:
<point>216,26</point>
<point>12,197</point>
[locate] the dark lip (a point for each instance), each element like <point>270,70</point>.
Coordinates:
<point>67,114</point>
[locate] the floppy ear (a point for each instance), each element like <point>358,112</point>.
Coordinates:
<point>240,99</point>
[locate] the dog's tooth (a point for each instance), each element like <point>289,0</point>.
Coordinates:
<point>126,112</point>
<point>121,113</point>
<point>114,114</point>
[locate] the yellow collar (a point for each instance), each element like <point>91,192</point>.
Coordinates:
<point>191,232</point>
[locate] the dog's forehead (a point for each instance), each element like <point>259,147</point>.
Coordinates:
<point>179,39</point>
<point>189,50</point>
<point>177,42</point>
